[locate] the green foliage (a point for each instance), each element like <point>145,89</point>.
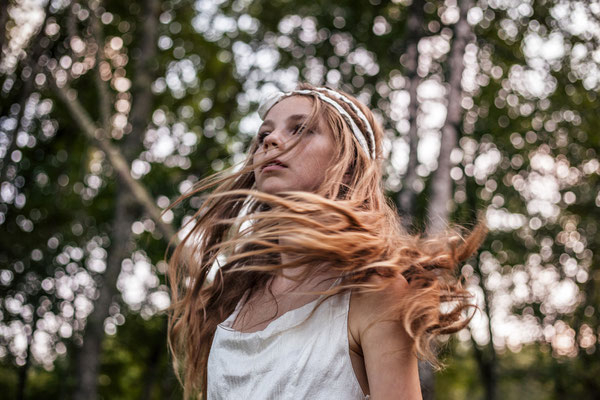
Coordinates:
<point>213,62</point>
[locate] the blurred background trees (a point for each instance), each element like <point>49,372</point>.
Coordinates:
<point>110,110</point>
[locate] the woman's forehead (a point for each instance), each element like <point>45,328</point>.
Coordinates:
<point>295,109</point>
<point>294,118</point>
<point>292,105</point>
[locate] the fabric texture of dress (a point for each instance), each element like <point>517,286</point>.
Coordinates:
<point>297,356</point>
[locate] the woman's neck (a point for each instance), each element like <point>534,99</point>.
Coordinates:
<point>303,278</point>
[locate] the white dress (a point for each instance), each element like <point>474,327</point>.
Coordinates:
<point>294,357</point>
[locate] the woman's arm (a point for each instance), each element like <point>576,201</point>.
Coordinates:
<point>388,351</point>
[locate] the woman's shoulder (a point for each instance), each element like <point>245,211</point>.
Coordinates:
<point>379,294</point>
<point>378,336</point>
<point>376,302</point>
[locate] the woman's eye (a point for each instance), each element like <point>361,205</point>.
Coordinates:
<point>262,136</point>
<point>298,129</point>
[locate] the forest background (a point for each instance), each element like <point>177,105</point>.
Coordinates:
<point>109,110</point>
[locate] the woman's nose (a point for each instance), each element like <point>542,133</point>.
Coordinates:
<point>273,139</point>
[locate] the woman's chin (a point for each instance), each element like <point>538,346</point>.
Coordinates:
<point>276,187</point>
<point>272,185</point>
<point>273,189</point>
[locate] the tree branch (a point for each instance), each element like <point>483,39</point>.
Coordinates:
<point>117,160</point>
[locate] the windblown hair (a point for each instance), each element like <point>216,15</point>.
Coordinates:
<point>347,226</point>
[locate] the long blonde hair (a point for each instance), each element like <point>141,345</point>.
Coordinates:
<point>347,225</point>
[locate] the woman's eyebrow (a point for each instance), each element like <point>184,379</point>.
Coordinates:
<point>297,117</point>
<point>292,118</point>
<point>266,124</point>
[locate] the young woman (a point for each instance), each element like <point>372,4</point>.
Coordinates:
<point>315,290</point>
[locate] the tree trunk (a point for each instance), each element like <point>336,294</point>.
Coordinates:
<point>441,183</point>
<point>486,357</point>
<point>151,372</point>
<point>414,32</point>
<point>487,369</point>
<point>89,356</point>
<point>3,21</point>
<point>127,209</point>
<point>153,364</point>
<point>23,376</point>
<point>408,196</point>
<point>145,70</point>
<point>24,370</point>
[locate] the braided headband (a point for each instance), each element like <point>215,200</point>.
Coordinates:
<point>275,98</point>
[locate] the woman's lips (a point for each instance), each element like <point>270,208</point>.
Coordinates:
<point>274,165</point>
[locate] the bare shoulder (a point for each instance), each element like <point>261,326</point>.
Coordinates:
<point>367,306</point>
<point>388,351</point>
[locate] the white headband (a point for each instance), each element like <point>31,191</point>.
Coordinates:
<point>275,98</point>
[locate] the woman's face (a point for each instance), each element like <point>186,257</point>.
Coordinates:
<point>301,169</point>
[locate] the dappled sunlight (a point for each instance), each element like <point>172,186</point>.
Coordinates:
<point>526,156</point>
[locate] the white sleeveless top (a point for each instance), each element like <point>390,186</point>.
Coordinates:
<point>294,357</point>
